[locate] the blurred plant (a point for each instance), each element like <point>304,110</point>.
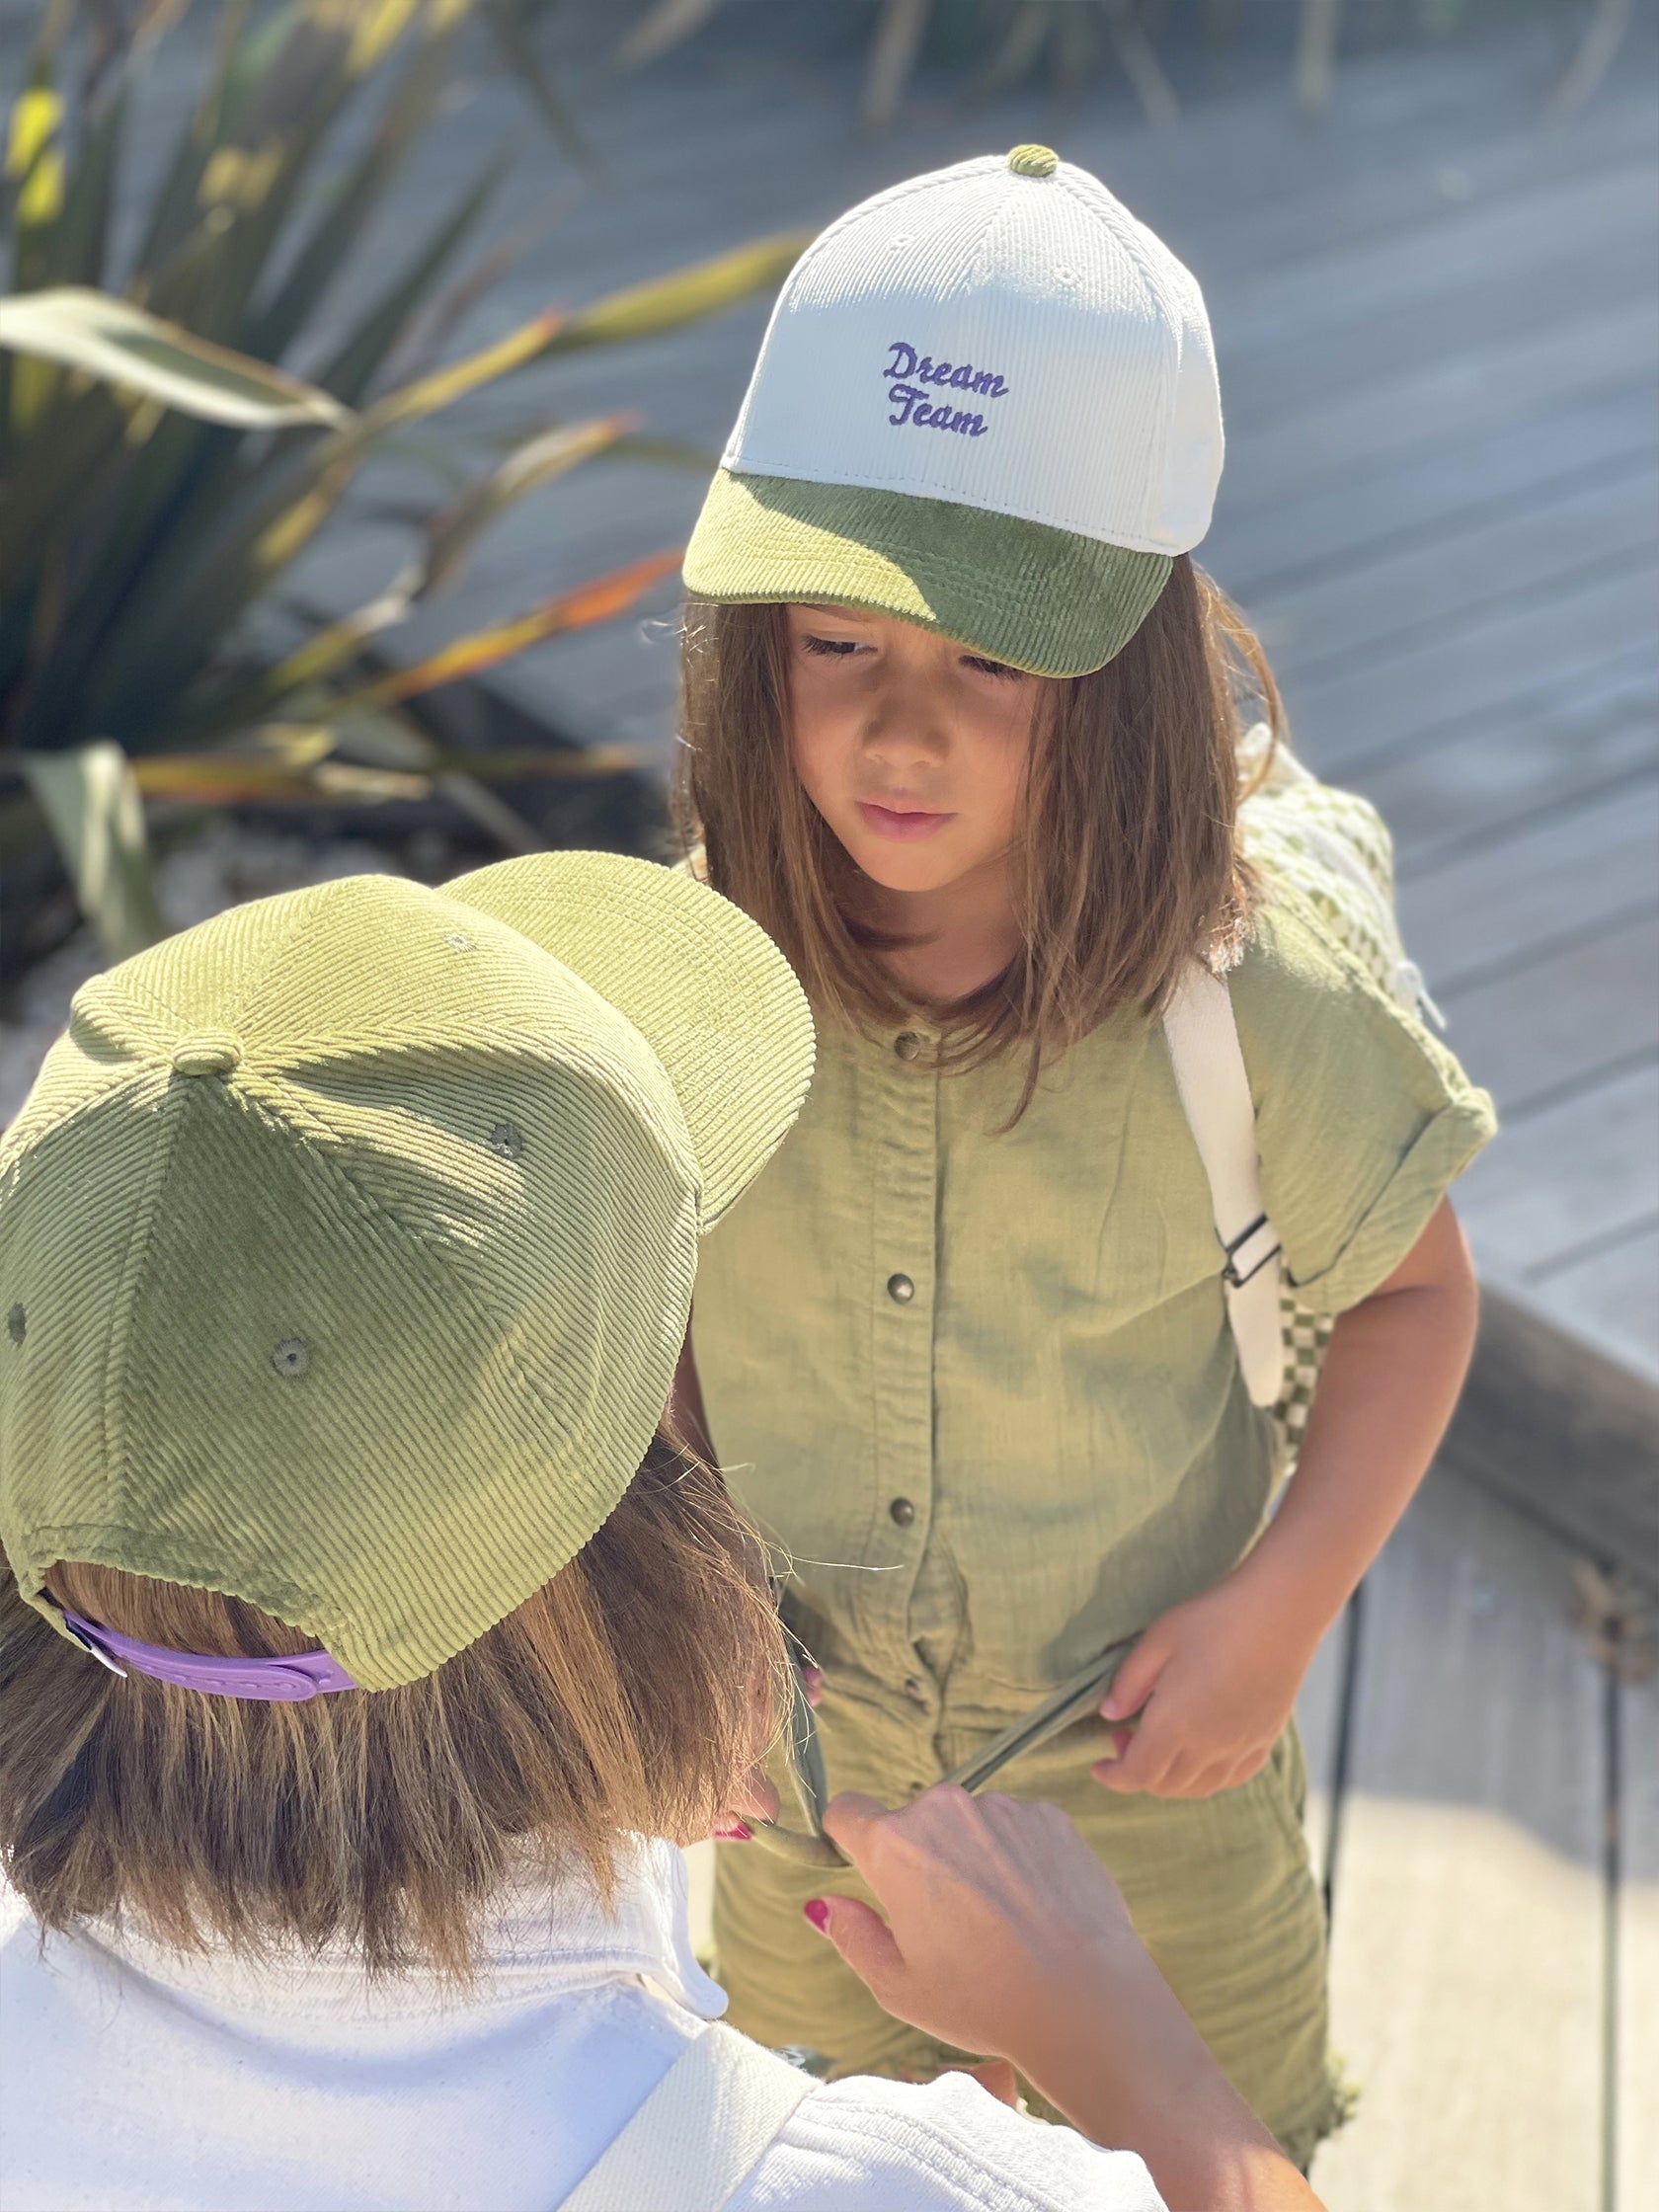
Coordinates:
<point>511,25</point>
<point>1015,37</point>
<point>1002,43</point>
<point>159,473</point>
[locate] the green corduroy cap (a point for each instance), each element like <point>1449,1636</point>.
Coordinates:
<point>347,1241</point>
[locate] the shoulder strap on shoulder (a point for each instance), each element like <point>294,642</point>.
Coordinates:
<point>700,2134</point>
<point>1214,1092</point>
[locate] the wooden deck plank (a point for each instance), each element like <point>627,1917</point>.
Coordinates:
<point>1492,321</point>
<point>1569,1176</point>
<point>1467,1958</point>
<point>1430,293</point>
<point>1611,1296</point>
<point>1493,150</point>
<point>1562,872</point>
<point>1493,662</point>
<point>1372,425</point>
<point>1361,616</point>
<point>1520,765</point>
<point>1262,550</point>
<point>1491,238</point>
<point>1635,2086</point>
<point>1562,1019</point>
<point>1555,717</point>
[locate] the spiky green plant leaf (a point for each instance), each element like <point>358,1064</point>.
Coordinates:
<point>353,368</point>
<point>125,346</point>
<point>455,531</point>
<point>358,194</point>
<point>89,798</point>
<point>663,303</point>
<point>598,602</point>
<point>511,33</point>
<point>162,465</point>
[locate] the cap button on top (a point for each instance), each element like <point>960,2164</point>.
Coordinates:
<point>1034,161</point>
<point>209,1052</point>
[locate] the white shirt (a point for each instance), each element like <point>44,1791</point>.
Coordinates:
<point>139,2079</point>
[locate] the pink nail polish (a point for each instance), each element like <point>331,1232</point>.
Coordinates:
<point>738,1832</point>
<point>818,1912</point>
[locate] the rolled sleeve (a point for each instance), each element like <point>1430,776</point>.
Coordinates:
<point>1364,1120</point>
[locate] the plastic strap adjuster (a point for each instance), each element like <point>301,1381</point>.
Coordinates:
<point>1232,1273</point>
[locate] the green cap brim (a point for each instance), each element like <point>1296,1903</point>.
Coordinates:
<point>706,987</point>
<point>1041,599</point>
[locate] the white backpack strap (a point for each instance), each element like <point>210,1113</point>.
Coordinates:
<point>700,2134</point>
<point>1215,1099</point>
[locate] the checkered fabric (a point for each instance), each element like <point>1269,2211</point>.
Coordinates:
<point>1334,848</point>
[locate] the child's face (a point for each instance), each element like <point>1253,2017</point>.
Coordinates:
<point>911,748</point>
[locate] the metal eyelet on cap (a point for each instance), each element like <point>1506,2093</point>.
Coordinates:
<point>17,1324</point>
<point>291,1357</point>
<point>506,1139</point>
<point>458,940</point>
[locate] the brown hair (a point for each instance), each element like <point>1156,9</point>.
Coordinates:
<point>628,1694</point>
<point>1126,867</point>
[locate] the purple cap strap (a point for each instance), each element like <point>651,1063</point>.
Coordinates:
<point>283,1682</point>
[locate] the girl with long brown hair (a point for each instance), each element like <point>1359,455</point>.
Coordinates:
<point>962,730</point>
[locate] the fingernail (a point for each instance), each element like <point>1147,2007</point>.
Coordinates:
<point>738,1832</point>
<point>818,1912</point>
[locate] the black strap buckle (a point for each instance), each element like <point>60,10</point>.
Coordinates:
<point>1230,1273</point>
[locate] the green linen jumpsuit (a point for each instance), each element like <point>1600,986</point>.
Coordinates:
<point>979,1390</point>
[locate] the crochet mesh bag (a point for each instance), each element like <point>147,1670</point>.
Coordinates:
<point>1334,848</point>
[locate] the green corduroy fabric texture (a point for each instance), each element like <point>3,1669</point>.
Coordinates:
<point>347,1241</point>
<point>1045,600</point>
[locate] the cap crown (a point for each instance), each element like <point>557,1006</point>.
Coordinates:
<point>1009,341</point>
<point>347,1241</point>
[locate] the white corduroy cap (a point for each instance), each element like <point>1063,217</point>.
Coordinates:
<point>987,401</point>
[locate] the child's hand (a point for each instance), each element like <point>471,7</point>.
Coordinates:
<point>1214,1682</point>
